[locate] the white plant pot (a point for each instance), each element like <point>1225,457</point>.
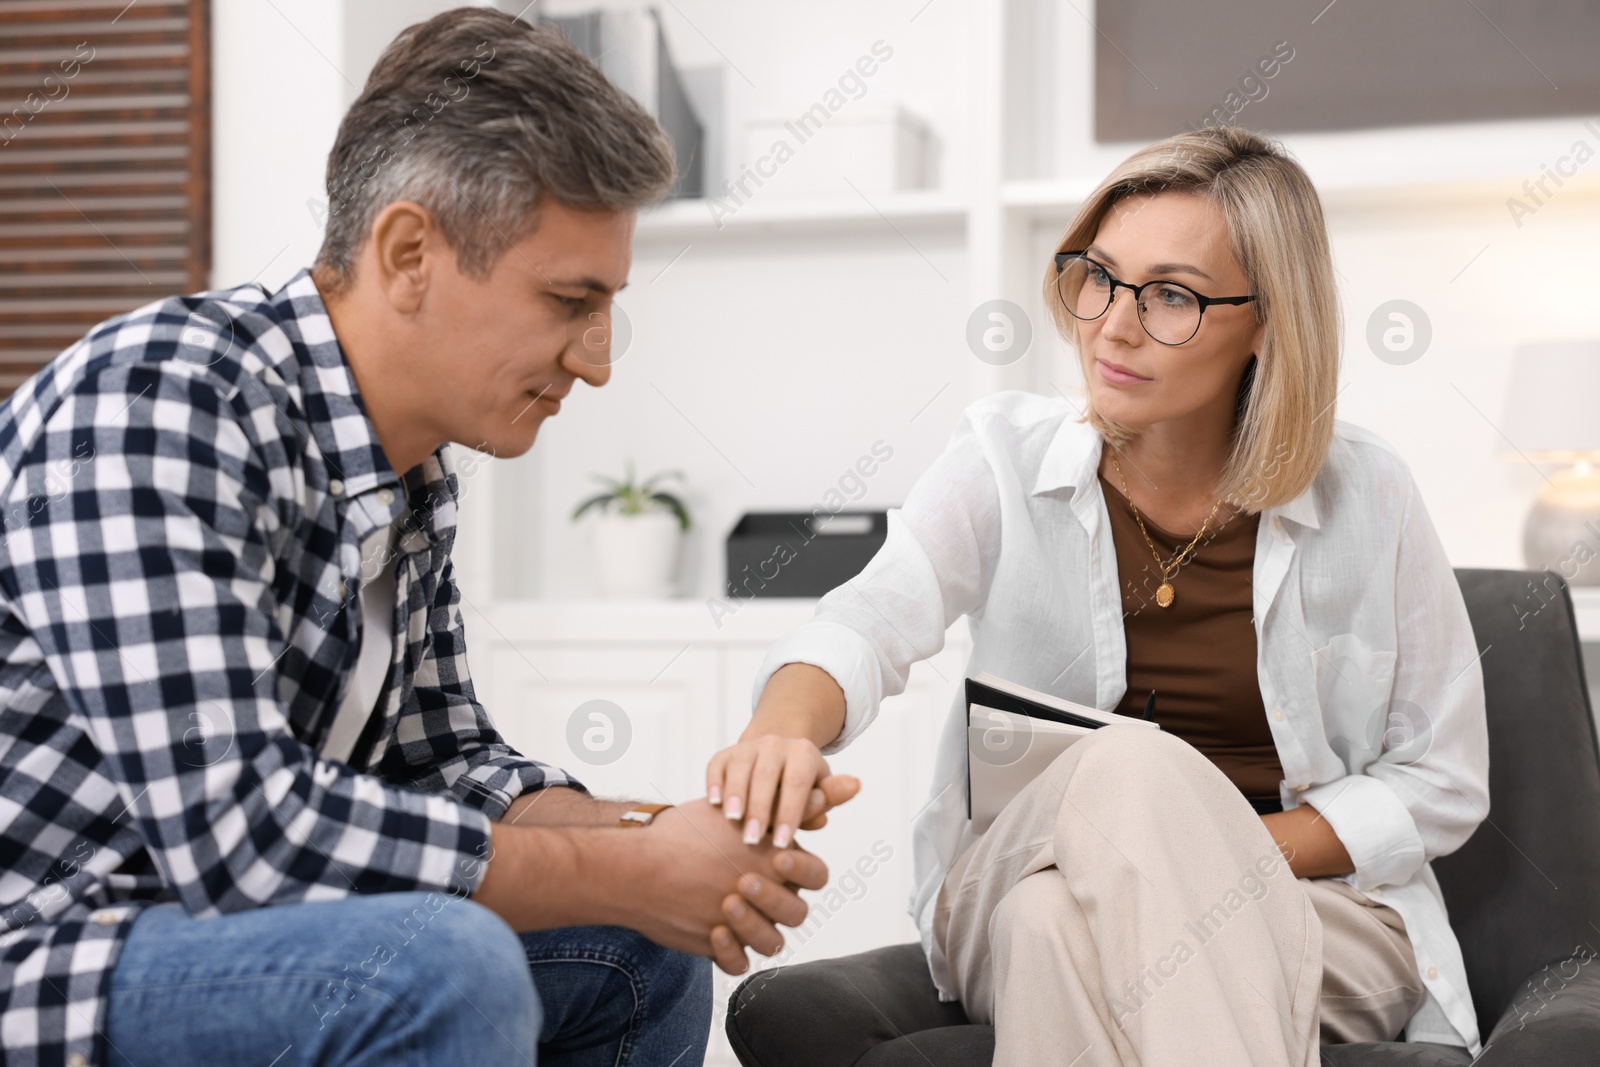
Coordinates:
<point>637,555</point>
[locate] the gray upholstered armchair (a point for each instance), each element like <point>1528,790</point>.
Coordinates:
<point>1523,893</point>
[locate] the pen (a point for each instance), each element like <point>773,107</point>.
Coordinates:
<point>1150,707</point>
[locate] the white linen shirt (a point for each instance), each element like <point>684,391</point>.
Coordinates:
<point>1366,657</point>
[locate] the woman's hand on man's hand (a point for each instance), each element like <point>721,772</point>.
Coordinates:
<point>776,783</point>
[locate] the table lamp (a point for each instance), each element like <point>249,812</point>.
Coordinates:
<point>1552,416</point>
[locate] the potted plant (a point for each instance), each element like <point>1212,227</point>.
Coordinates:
<point>638,533</point>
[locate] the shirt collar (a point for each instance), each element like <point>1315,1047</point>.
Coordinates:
<point>1073,456</point>
<point>1302,509</point>
<point>431,490</point>
<point>1070,459</point>
<point>338,421</point>
<point>331,401</point>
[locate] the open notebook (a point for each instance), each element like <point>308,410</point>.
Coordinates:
<point>1013,734</point>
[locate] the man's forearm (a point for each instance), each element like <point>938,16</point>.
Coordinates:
<point>560,806</point>
<point>543,877</point>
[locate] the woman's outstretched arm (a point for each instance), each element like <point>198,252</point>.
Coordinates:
<point>821,685</point>
<point>778,759</point>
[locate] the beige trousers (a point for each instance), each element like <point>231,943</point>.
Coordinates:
<point>1130,908</point>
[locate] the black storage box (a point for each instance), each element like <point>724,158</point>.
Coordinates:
<point>799,553</point>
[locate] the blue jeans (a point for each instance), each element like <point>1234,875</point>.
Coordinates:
<point>409,979</point>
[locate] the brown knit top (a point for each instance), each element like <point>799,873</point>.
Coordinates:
<point>1199,654</point>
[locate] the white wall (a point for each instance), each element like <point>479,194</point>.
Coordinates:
<point>764,382</point>
<point>764,367</point>
<point>283,74</point>
<point>277,99</point>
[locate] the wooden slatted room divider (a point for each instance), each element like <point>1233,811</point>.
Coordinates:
<point>105,166</point>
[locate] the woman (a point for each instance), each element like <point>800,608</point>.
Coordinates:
<point>1251,880</point>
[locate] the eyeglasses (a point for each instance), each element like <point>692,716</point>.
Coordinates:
<point>1170,314</point>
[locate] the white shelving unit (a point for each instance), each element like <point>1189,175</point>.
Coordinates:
<point>696,219</point>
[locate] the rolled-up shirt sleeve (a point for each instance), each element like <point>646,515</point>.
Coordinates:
<point>935,566</point>
<point>1428,790</point>
<point>148,584</point>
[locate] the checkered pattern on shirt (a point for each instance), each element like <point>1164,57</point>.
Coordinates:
<point>182,496</point>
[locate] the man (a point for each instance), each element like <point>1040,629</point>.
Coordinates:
<point>253,811</point>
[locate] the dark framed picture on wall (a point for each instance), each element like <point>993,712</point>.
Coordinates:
<point>1163,66</point>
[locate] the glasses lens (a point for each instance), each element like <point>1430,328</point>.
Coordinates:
<point>1170,313</point>
<point>1085,289</point>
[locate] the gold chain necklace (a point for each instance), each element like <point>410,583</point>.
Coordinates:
<point>1165,594</point>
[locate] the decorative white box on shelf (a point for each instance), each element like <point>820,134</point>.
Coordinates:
<point>878,148</point>
<point>633,697</point>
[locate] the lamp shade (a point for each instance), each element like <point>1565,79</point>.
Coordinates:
<point>1553,403</point>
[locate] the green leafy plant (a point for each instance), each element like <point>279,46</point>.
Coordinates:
<point>630,497</point>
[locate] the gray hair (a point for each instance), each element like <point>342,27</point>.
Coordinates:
<point>475,115</point>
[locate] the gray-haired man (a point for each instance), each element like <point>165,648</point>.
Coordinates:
<point>253,810</point>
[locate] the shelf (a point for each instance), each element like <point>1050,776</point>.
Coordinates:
<point>774,215</point>
<point>1046,196</point>
<point>1056,199</point>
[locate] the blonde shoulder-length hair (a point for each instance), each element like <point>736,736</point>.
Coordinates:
<point>1284,420</point>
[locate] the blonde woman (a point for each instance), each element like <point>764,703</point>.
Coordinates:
<point>1253,879</point>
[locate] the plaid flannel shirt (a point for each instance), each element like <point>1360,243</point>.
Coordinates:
<point>184,495</point>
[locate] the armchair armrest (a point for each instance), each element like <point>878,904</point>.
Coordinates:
<point>1554,1021</point>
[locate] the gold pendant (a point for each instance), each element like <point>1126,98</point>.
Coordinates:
<point>1165,595</point>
